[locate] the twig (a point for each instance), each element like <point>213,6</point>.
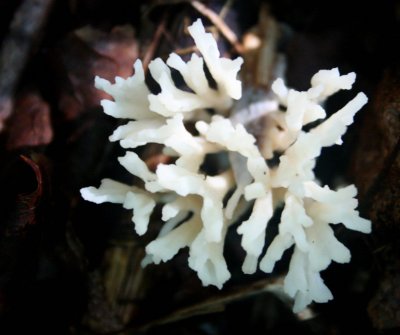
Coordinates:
<point>217,304</point>
<point>148,56</point>
<point>224,11</point>
<point>219,23</point>
<point>25,29</point>
<point>185,51</point>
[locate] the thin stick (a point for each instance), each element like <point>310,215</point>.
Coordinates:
<point>185,51</point>
<point>224,11</point>
<point>148,56</point>
<point>217,303</point>
<point>24,34</point>
<point>219,23</point>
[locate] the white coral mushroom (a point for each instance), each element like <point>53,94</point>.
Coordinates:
<point>195,213</point>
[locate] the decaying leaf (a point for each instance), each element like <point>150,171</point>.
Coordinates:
<point>376,169</point>
<point>88,52</point>
<point>30,125</point>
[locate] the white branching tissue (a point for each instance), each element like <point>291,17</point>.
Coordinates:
<point>182,188</point>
